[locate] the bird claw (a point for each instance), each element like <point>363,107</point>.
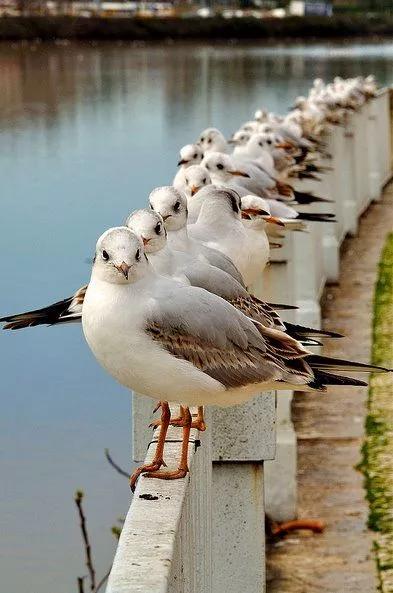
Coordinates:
<point>168,475</point>
<point>145,470</point>
<point>199,425</point>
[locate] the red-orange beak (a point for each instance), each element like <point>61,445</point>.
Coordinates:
<point>124,269</point>
<point>145,241</point>
<point>239,173</point>
<point>275,220</point>
<point>194,189</point>
<point>285,145</point>
<point>247,213</point>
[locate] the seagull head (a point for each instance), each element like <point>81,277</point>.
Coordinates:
<point>119,258</point>
<point>249,126</point>
<point>259,144</point>
<point>149,226</point>
<point>219,201</point>
<point>212,139</point>
<point>190,154</point>
<point>171,204</point>
<point>240,138</point>
<point>261,115</point>
<point>195,178</point>
<point>221,167</point>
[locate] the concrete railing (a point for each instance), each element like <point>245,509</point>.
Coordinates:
<point>361,166</point>
<point>205,534</point>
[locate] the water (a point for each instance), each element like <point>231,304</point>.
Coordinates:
<point>85,133</point>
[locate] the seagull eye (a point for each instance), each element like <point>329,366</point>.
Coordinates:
<point>187,181</point>
<point>157,228</point>
<point>220,166</point>
<point>105,255</point>
<point>204,180</point>
<point>202,139</point>
<point>176,207</point>
<point>207,167</point>
<point>260,143</point>
<point>209,141</point>
<point>195,156</point>
<point>269,141</point>
<point>138,255</point>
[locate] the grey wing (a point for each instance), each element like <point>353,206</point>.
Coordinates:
<point>220,260</point>
<point>214,280</point>
<point>208,332</point>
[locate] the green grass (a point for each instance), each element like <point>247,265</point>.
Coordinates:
<point>377,463</point>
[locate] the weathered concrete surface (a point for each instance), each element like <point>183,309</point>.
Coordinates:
<point>330,432</point>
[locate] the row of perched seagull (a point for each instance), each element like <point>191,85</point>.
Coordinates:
<point>168,311</point>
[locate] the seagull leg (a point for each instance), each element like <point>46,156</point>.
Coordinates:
<point>157,460</point>
<point>178,421</point>
<point>198,423</point>
<point>182,470</point>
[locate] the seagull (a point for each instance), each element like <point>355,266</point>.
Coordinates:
<point>172,205</point>
<point>195,177</point>
<point>184,344</point>
<point>219,225</point>
<point>211,140</point>
<point>190,154</point>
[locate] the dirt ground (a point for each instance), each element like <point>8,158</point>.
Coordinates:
<point>330,433</point>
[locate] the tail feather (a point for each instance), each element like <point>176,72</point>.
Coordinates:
<point>281,307</point>
<point>317,216</point>
<point>66,311</point>
<point>327,363</point>
<point>322,379</point>
<point>307,198</point>
<point>309,331</point>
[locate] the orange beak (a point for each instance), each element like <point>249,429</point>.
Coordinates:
<point>275,220</point>
<point>145,241</point>
<point>247,213</point>
<point>194,189</point>
<point>124,269</point>
<point>285,145</point>
<point>239,173</point>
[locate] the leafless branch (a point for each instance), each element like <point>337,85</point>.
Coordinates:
<point>89,563</point>
<point>81,588</point>
<point>103,580</point>
<point>119,470</point>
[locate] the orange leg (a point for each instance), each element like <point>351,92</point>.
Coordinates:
<point>158,459</point>
<point>182,470</point>
<point>198,423</point>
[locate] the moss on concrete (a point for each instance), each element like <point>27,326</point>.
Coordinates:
<point>377,462</point>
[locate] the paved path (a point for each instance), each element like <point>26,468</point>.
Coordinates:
<point>330,433</point>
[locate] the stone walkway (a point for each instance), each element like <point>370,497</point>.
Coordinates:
<point>330,433</point>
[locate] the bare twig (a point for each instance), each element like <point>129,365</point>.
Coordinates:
<point>89,563</point>
<point>81,588</point>
<point>119,470</point>
<point>103,580</point>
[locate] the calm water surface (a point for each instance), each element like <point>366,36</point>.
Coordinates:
<point>85,133</point>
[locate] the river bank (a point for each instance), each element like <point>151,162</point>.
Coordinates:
<point>96,28</point>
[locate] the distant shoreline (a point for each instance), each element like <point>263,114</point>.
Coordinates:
<point>50,28</point>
